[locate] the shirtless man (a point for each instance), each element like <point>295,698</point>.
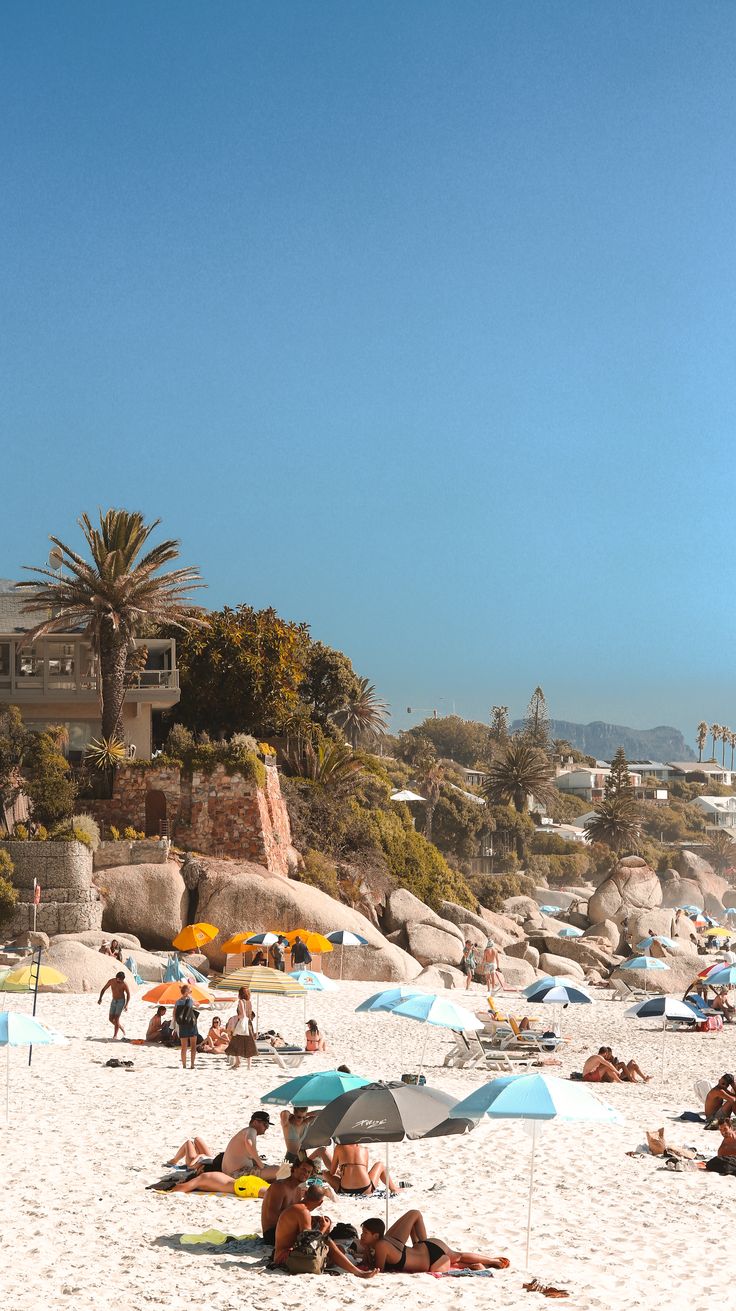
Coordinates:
<point>405,1247</point>
<point>281,1195</point>
<point>120,996</point>
<point>215,1181</point>
<point>153,1032</point>
<point>351,1175</point>
<point>294,1219</point>
<point>628,1070</point>
<point>239,1157</point>
<point>492,976</point>
<point>598,1069</point>
<point>720,1102</point>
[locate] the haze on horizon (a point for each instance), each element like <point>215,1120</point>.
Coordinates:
<point>416,322</point>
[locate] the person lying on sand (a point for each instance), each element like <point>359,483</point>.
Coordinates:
<point>239,1157</point>
<point>406,1248</point>
<point>352,1175</point>
<point>281,1195</point>
<point>599,1069</point>
<point>214,1181</point>
<point>629,1071</point>
<point>720,1102</point>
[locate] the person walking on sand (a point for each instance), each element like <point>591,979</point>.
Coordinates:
<point>243,1040</point>
<point>185,1017</point>
<point>468,962</point>
<point>120,996</point>
<point>492,976</point>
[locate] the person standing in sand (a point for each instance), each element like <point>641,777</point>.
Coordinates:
<point>243,1040</point>
<point>492,976</point>
<point>120,996</point>
<point>185,1018</point>
<point>468,962</point>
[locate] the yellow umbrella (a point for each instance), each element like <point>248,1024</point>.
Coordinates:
<point>237,944</point>
<point>194,936</point>
<point>260,978</point>
<point>314,942</point>
<point>717,932</point>
<point>23,978</point>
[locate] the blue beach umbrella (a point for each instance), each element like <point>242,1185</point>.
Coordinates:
<point>390,997</point>
<point>731,911</point>
<point>664,1008</point>
<point>548,980</point>
<point>431,1009</point>
<point>17,1030</point>
<point>316,1090</point>
<point>534,1097</point>
<point>645,963</point>
<point>646,943</point>
<point>550,910</point>
<point>312,981</point>
<point>691,910</point>
<point>570,932</point>
<point>725,977</point>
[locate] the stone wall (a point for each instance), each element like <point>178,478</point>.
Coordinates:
<point>217,814</point>
<point>148,851</point>
<point>69,901</point>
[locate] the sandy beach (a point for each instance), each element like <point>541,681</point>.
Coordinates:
<point>85,1140</point>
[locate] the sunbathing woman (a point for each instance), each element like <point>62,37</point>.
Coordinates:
<point>294,1125</point>
<point>214,1181</point>
<point>629,1071</point>
<point>218,1039</point>
<point>392,1251</point>
<point>351,1174</point>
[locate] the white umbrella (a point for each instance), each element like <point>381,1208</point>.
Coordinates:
<point>670,1008</point>
<point>431,1009</point>
<point>406,795</point>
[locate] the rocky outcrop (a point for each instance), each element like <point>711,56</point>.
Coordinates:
<point>517,973</point>
<point>403,908</point>
<point>607,931</point>
<point>149,901</point>
<point>681,971</point>
<point>236,897</point>
<point>677,891</point>
<point>69,901</point>
<point>552,963</point>
<point>501,928</point>
<point>138,851</point>
<point>431,945</point>
<point>461,917</point>
<point>631,886</point>
<point>580,950</point>
<point>85,969</point>
<point>697,870</point>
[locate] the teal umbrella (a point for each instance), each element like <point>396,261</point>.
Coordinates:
<point>644,963</point>
<point>316,1089</point>
<point>17,1030</point>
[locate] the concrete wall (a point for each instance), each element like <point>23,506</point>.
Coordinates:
<point>152,851</point>
<point>69,901</point>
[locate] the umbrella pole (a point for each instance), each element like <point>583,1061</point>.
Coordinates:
<point>531,1190</point>
<point>341,951</point>
<point>424,1048</point>
<point>664,1037</point>
<point>35,996</point>
<point>387,1187</point>
<point>7,1084</point>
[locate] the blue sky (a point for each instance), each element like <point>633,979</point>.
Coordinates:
<point>415,321</point>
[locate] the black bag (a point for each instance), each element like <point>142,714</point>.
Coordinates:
<point>309,1254</point>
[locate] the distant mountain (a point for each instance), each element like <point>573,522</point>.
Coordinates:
<point>603,740</point>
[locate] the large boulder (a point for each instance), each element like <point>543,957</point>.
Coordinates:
<point>697,870</point>
<point>522,908</point>
<point>552,963</point>
<point>460,916</point>
<point>85,969</point>
<point>681,971</point>
<point>403,908</point>
<point>677,891</point>
<point>580,950</point>
<point>630,886</point>
<point>235,896</point>
<point>149,901</point>
<point>517,973</point>
<point>642,923</point>
<point>95,938</point>
<point>501,928</point>
<point>431,946</point>
<point>606,932</point>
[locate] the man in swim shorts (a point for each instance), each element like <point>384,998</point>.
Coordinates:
<point>598,1069</point>
<point>281,1195</point>
<point>120,996</point>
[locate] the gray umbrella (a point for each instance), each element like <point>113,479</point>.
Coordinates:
<point>386,1113</point>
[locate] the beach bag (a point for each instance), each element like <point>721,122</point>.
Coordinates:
<point>309,1254</point>
<point>710,1023</point>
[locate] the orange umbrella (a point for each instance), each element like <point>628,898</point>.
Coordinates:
<point>194,936</point>
<point>168,994</point>
<point>315,942</point>
<point>237,944</point>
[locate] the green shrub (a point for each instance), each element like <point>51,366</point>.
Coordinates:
<point>180,742</point>
<point>493,889</point>
<point>8,894</point>
<point>416,864</point>
<point>41,833</point>
<point>319,872</point>
<point>114,833</point>
<point>88,824</point>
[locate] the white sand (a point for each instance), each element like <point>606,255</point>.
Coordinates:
<point>80,1228</point>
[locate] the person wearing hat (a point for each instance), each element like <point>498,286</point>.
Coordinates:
<point>240,1157</point>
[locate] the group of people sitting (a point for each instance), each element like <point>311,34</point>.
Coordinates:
<point>291,1193</point>
<point>603,1067</point>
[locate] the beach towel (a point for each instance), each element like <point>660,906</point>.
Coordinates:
<point>460,1274</point>
<point>217,1238</point>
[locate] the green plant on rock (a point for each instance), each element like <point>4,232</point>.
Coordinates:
<point>87,824</point>
<point>493,889</point>
<point>416,864</point>
<point>114,833</point>
<point>319,872</point>
<point>8,894</point>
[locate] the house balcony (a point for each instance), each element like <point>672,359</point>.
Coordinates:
<point>58,670</point>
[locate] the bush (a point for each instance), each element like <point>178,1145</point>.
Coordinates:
<point>48,783</point>
<point>8,894</point>
<point>246,742</point>
<point>88,824</point>
<point>21,833</point>
<point>129,833</point>
<point>319,872</point>
<point>114,833</point>
<point>180,742</point>
<point>493,889</point>
<point>416,864</point>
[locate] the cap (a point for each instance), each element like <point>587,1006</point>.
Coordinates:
<point>261,1115</point>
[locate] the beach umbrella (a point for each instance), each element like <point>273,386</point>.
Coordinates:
<point>235,946</point>
<point>550,910</point>
<point>315,943</point>
<point>406,795</point>
<point>644,963</point>
<point>386,1113</point>
<point>731,911</point>
<point>344,938</point>
<point>534,1097</point>
<point>718,931</point>
<point>431,1009</point>
<point>646,943</point>
<point>570,932</point>
<point>558,993</point>
<point>690,910</point>
<point>724,976</point>
<point>668,1008</point>
<point>551,980</point>
<point>18,1030</point>
<point>260,979</point>
<point>194,936</point>
<point>168,994</point>
<point>180,971</point>
<point>388,998</point>
<point>315,1090</point>
<point>22,978</point>
<point>312,982</point>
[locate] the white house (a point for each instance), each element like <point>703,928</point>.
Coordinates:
<point>718,812</point>
<point>693,769</point>
<point>588,781</point>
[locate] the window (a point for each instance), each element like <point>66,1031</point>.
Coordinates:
<point>28,663</point>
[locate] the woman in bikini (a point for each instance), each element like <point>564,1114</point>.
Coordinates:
<point>351,1174</point>
<point>218,1039</point>
<point>294,1126</point>
<point>405,1248</point>
<point>313,1040</point>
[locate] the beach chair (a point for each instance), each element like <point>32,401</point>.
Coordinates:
<point>525,1039</point>
<point>287,1058</point>
<point>468,1051</point>
<point>624,991</point>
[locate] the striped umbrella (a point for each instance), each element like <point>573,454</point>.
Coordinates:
<point>260,979</point>
<point>344,938</point>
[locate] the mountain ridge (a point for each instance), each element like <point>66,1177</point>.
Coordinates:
<point>602,740</point>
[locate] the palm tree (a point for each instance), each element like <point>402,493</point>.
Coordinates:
<point>715,732</point>
<point>519,771</point>
<point>732,744</point>
<point>615,823</point>
<point>113,598</point>
<point>431,785</point>
<point>725,735</point>
<point>364,716</point>
<point>702,738</point>
<point>720,851</point>
<point>330,765</point>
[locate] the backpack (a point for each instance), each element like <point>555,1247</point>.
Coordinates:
<point>309,1254</point>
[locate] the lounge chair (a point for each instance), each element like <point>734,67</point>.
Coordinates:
<point>525,1040</point>
<point>287,1058</point>
<point>468,1051</point>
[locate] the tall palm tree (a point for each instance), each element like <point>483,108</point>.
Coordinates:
<point>364,717</point>
<point>113,597</point>
<point>715,732</point>
<point>720,851</point>
<point>702,738</point>
<point>732,744</point>
<point>725,735</point>
<point>520,770</point>
<point>615,823</point>
<point>431,785</point>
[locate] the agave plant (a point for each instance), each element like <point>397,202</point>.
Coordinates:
<point>364,717</point>
<point>113,597</point>
<point>105,753</point>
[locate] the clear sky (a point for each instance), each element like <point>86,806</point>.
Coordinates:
<point>414,320</point>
